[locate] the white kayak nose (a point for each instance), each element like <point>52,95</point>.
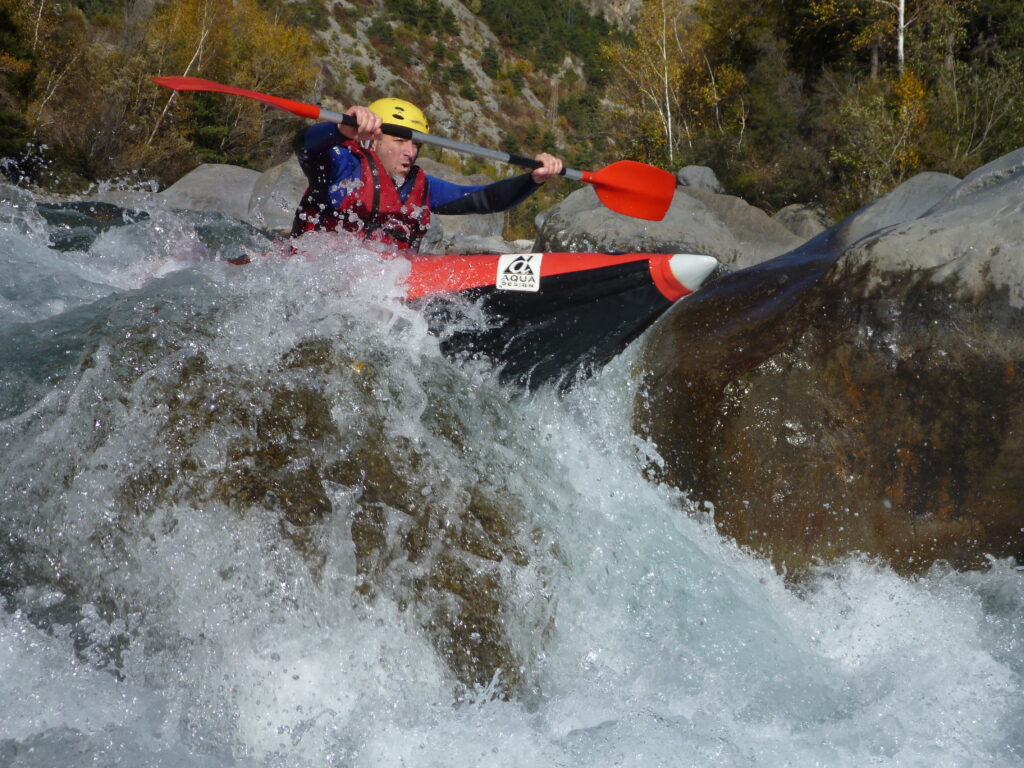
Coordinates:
<point>692,269</point>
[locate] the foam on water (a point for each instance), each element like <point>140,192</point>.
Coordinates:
<point>186,633</point>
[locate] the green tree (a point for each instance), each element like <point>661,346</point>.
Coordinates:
<point>544,31</point>
<point>449,22</point>
<point>977,113</point>
<point>891,25</point>
<point>380,30</point>
<point>490,62</point>
<point>996,25</point>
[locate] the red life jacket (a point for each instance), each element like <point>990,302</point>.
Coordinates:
<point>374,209</point>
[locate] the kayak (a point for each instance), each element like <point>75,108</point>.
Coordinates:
<point>550,317</point>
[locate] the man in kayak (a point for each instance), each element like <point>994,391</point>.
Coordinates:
<point>368,183</point>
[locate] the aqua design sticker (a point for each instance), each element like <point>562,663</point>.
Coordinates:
<point>519,272</point>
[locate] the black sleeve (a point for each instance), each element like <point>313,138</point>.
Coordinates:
<point>493,198</point>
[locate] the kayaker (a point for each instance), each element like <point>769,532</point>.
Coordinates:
<point>368,183</point>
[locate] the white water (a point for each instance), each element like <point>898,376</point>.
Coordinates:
<point>190,634</point>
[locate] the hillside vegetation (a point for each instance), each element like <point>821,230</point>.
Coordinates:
<point>824,100</point>
<point>829,100</point>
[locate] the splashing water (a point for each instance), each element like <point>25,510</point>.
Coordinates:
<point>252,516</point>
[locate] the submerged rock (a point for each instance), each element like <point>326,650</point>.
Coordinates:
<point>310,440</point>
<point>446,556</point>
<point>863,393</point>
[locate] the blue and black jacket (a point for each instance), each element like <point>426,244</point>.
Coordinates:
<point>334,171</point>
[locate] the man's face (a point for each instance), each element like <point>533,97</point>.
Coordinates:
<point>396,155</point>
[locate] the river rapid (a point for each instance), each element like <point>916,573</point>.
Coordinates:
<point>166,604</point>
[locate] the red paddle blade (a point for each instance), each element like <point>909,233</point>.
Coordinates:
<point>634,189</point>
<point>310,111</point>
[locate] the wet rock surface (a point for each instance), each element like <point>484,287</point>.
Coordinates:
<point>862,393</point>
<point>414,542</point>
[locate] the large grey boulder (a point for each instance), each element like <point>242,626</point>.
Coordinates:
<point>759,236</point>
<point>987,177</point>
<point>910,200</point>
<point>213,187</point>
<point>805,220</point>
<point>275,196</point>
<point>865,392</point>
<point>971,242</point>
<point>698,221</point>
<point>582,223</point>
<point>699,177</point>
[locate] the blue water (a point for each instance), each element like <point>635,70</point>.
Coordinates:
<point>148,622</point>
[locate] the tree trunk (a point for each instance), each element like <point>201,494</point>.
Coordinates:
<point>170,100</point>
<point>667,95</point>
<point>39,22</point>
<point>901,33</point>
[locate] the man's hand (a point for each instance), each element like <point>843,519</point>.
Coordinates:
<point>368,127</point>
<point>552,166</point>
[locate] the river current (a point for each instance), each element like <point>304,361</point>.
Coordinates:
<point>162,607</point>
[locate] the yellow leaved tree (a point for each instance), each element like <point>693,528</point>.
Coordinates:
<point>236,43</point>
<point>666,86</point>
<point>878,130</point>
<point>43,49</point>
<point>81,94</point>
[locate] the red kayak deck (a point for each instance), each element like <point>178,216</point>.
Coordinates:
<point>527,271</point>
<point>551,317</point>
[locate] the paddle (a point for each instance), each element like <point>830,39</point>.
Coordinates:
<point>627,187</point>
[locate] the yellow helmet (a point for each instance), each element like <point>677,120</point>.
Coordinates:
<point>400,112</point>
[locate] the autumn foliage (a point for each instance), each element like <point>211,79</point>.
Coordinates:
<point>834,101</point>
<point>78,103</point>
